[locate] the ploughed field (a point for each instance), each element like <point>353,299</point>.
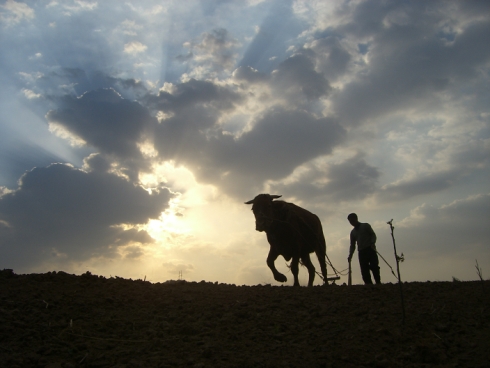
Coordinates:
<point>61,320</point>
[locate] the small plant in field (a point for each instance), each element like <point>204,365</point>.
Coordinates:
<point>480,275</point>
<point>478,270</point>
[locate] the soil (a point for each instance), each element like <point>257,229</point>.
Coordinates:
<point>60,320</point>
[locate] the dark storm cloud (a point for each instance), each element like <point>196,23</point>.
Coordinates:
<point>332,58</point>
<point>106,121</point>
<point>297,76</point>
<point>193,93</point>
<point>192,135</point>
<point>352,179</point>
<point>279,141</point>
<point>61,81</point>
<point>129,88</point>
<point>65,211</point>
<point>282,140</point>
<point>410,59</point>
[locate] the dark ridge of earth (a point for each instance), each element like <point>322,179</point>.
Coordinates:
<point>60,320</point>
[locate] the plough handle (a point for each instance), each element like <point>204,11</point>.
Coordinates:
<point>349,282</point>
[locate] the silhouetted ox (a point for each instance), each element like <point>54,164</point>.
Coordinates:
<point>292,232</point>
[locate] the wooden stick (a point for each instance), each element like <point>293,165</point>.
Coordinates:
<point>349,282</point>
<point>398,269</point>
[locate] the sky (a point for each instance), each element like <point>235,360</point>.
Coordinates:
<point>132,133</point>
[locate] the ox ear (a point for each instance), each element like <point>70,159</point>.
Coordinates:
<point>275,196</point>
<point>250,202</point>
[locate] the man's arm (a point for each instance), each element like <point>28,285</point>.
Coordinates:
<point>352,246</point>
<point>373,235</point>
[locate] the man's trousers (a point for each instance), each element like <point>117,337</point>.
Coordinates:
<point>368,260</point>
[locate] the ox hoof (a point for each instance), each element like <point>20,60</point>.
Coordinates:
<point>280,277</point>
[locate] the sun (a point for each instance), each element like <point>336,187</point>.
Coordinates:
<point>178,220</point>
<point>170,222</point>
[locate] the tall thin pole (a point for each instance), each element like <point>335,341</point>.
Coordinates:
<point>397,268</point>
<point>349,280</point>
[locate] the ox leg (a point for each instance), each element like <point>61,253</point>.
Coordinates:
<point>321,259</point>
<point>295,270</point>
<point>270,262</point>
<point>311,269</point>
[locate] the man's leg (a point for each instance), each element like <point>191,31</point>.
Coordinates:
<point>374,265</point>
<point>364,263</point>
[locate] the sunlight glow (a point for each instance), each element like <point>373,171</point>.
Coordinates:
<point>148,149</point>
<point>60,131</point>
<point>171,224</point>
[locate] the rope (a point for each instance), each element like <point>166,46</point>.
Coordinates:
<point>393,272</point>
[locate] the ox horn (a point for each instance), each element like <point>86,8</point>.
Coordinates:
<point>271,196</point>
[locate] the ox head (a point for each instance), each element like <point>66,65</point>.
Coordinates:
<point>262,209</point>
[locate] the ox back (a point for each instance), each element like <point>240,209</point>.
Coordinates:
<point>295,225</point>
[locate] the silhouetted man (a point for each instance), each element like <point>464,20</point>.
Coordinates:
<point>363,234</point>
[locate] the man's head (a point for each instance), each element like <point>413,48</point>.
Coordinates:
<point>353,220</point>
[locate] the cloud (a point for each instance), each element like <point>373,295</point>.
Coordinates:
<point>421,184</point>
<point>456,227</point>
<point>350,180</point>
<point>279,141</point>
<point>30,94</point>
<point>192,131</point>
<point>191,95</point>
<point>282,139</point>
<point>108,122</point>
<point>76,6</point>
<point>249,74</point>
<point>134,47</point>
<point>405,70</point>
<point>297,76</point>
<point>214,51</point>
<point>332,58</point>
<point>66,211</point>
<point>14,12</point>
<point>117,128</point>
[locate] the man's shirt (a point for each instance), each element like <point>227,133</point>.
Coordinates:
<point>365,237</point>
